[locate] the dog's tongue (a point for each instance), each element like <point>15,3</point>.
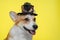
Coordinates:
<point>32,32</point>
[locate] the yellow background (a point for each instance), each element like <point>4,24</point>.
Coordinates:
<point>47,19</point>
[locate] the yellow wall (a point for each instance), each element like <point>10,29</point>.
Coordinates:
<point>47,19</point>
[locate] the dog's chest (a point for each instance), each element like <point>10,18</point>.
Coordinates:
<point>19,34</point>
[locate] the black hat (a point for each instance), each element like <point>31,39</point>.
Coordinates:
<point>25,8</point>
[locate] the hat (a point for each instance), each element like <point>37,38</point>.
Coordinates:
<point>26,8</point>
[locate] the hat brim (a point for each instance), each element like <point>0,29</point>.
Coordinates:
<point>27,14</point>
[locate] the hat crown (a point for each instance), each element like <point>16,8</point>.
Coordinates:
<point>27,6</point>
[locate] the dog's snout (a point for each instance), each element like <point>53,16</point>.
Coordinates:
<point>35,26</point>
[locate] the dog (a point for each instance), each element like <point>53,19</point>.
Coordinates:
<point>25,25</point>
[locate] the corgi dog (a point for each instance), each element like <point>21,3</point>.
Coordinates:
<point>24,28</point>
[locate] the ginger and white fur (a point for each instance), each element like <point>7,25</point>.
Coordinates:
<point>17,32</point>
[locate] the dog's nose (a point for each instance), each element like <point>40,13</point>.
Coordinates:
<point>35,27</point>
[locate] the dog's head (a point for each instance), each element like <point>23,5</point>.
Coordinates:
<point>28,22</point>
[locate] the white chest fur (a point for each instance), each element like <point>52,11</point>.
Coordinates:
<point>18,33</point>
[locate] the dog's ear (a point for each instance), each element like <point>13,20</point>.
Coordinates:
<point>13,15</point>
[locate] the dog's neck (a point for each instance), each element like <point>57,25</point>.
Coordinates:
<point>20,33</point>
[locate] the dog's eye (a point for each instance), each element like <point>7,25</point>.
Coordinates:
<point>34,19</point>
<point>26,19</point>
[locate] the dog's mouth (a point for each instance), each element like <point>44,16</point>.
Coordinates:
<point>30,31</point>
